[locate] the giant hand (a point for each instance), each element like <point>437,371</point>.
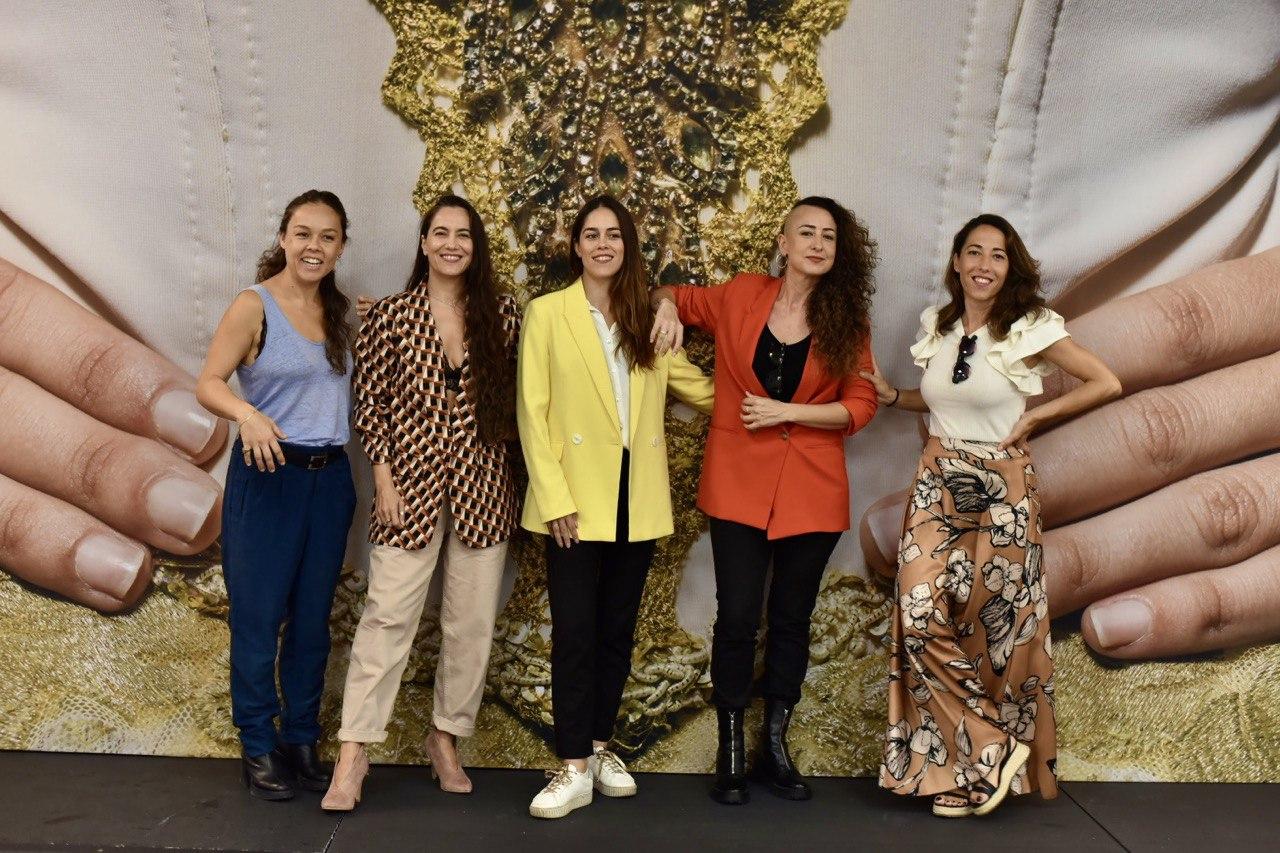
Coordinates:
<point>1162,509</point>
<point>99,442</point>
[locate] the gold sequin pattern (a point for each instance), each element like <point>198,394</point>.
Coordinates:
<point>154,680</point>
<point>685,109</point>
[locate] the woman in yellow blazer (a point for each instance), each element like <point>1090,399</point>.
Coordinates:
<point>591,393</point>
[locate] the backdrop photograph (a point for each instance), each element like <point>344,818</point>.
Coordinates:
<point>150,145</point>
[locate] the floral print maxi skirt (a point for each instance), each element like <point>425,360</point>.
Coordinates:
<point>970,662</point>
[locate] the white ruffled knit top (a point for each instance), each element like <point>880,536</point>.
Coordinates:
<point>985,406</point>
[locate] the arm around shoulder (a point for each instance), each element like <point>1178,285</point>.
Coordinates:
<point>696,305</point>
<point>857,393</point>
<point>687,382</point>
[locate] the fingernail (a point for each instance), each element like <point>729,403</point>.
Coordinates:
<point>180,507</point>
<point>885,524</point>
<point>108,564</point>
<point>1120,622</point>
<point>182,421</point>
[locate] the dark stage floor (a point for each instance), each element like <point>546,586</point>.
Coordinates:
<point>94,802</point>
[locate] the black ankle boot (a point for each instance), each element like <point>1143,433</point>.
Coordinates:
<point>267,776</point>
<point>730,786</point>
<point>774,766</point>
<point>310,774</point>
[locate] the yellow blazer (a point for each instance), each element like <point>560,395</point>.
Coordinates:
<point>569,428</point>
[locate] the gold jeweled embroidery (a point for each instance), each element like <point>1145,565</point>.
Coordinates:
<point>684,109</point>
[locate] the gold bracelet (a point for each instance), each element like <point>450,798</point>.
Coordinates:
<point>246,418</point>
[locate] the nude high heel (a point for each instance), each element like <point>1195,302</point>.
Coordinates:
<point>447,771</point>
<point>344,792</point>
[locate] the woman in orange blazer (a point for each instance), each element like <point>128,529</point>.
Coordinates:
<point>789,352</point>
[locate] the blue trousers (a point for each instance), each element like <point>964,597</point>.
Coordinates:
<point>284,535</point>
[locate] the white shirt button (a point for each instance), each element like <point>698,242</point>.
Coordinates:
<point>577,439</point>
<point>654,441</point>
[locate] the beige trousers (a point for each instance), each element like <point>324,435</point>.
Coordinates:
<point>398,582</point>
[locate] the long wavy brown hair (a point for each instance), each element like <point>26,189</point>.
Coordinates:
<point>839,308</point>
<point>492,361</point>
<point>629,292</point>
<point>333,303</point>
<point>1020,294</point>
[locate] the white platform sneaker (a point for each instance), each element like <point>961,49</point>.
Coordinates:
<point>610,774</point>
<point>568,789</point>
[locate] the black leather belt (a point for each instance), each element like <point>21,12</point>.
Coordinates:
<point>312,460</point>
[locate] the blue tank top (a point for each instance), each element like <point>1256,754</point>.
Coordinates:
<point>292,383</point>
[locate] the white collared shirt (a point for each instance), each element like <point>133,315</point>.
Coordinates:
<point>619,371</point>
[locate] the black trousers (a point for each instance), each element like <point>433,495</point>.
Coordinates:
<point>594,590</point>
<point>742,555</point>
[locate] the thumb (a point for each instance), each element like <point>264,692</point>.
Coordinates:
<point>275,427</point>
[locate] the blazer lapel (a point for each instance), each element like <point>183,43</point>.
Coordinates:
<point>753,323</point>
<point>636,381</point>
<point>431,353</point>
<point>577,314</point>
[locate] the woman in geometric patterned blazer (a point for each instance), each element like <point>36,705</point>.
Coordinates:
<point>435,407</point>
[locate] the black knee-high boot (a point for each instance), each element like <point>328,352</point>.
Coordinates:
<point>730,786</point>
<point>774,765</point>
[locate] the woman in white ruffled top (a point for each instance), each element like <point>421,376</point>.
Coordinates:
<point>971,669</point>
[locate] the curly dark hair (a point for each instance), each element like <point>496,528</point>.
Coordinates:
<point>839,308</point>
<point>333,302</point>
<point>493,371</point>
<point>1020,294</point>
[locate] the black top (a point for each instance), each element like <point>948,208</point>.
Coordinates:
<point>452,378</point>
<point>779,366</point>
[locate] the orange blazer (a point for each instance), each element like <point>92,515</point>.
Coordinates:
<point>787,479</point>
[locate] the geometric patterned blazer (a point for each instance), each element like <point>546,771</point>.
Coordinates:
<point>403,417</point>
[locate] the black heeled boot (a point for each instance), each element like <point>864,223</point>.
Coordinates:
<point>730,787</point>
<point>307,769</point>
<point>774,765</point>
<point>267,776</point>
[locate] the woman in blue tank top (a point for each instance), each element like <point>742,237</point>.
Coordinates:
<point>289,497</point>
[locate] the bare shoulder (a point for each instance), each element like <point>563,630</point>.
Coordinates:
<point>246,309</point>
